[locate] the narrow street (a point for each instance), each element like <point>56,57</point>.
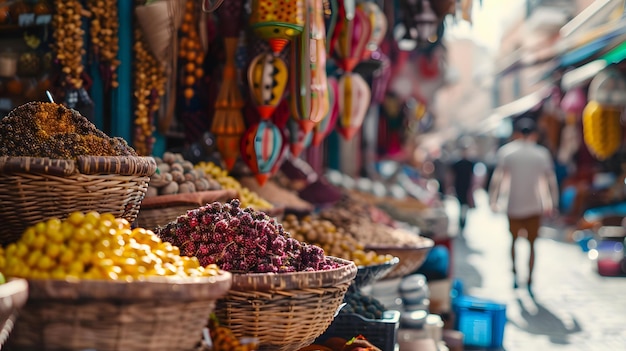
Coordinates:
<point>573,308</point>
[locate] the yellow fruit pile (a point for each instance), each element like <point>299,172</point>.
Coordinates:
<point>602,130</point>
<point>333,240</point>
<point>96,246</point>
<point>247,197</point>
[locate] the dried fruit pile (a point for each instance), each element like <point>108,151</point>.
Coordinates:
<point>333,240</point>
<point>44,129</point>
<point>248,198</point>
<point>96,246</point>
<point>242,241</point>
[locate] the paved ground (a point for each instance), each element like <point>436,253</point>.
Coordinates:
<point>573,307</point>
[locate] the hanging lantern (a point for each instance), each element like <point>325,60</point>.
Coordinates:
<point>298,139</point>
<point>300,79</point>
<point>354,100</point>
<point>261,148</point>
<point>378,25</point>
<point>277,21</point>
<point>608,88</point>
<point>327,124</point>
<point>602,130</point>
<point>319,79</point>
<point>267,77</point>
<point>352,37</point>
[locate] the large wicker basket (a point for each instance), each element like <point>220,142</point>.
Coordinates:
<point>285,311</point>
<point>117,316</point>
<point>160,210</point>
<point>35,189</point>
<point>13,296</point>
<point>411,257</point>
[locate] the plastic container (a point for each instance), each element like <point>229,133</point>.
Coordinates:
<point>481,321</point>
<point>383,333</point>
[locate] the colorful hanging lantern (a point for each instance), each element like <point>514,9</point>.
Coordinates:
<point>298,138</point>
<point>261,148</point>
<point>267,77</point>
<point>355,97</point>
<point>352,37</point>
<point>378,25</point>
<point>602,130</point>
<point>319,79</point>
<point>308,80</point>
<point>327,124</point>
<point>277,21</point>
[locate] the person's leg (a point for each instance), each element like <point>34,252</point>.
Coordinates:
<point>462,216</point>
<point>514,227</point>
<point>532,227</point>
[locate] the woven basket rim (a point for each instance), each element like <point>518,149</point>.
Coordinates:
<point>140,165</point>
<point>425,244</point>
<point>296,280</point>
<point>162,288</point>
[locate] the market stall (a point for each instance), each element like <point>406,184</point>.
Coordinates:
<point>167,176</point>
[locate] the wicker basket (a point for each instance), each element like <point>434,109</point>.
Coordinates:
<point>117,316</point>
<point>160,210</point>
<point>35,189</point>
<point>285,311</point>
<point>13,296</point>
<point>411,258</point>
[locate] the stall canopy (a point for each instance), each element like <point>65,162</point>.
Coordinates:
<point>585,72</point>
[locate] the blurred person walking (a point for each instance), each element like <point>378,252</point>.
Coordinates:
<point>525,170</point>
<point>462,172</point>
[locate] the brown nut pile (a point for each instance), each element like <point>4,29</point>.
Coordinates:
<point>355,219</point>
<point>333,240</point>
<point>178,176</point>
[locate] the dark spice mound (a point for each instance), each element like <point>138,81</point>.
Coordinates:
<point>44,129</point>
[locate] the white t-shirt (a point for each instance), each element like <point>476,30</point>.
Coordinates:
<point>526,164</point>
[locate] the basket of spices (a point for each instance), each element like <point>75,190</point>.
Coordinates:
<point>54,161</point>
<point>285,293</point>
<point>108,289</point>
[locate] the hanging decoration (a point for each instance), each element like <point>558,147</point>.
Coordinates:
<point>190,52</point>
<point>267,78</point>
<point>261,148</point>
<point>354,98</point>
<point>331,13</point>
<point>69,45</point>
<point>378,25</point>
<point>228,123</point>
<point>327,124</point>
<point>277,21</point>
<point>602,129</point>
<point>354,92</point>
<point>298,138</point>
<point>104,38</point>
<point>308,80</point>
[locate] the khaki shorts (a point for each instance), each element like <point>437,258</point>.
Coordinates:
<point>530,224</point>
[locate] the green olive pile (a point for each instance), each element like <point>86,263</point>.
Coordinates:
<point>333,240</point>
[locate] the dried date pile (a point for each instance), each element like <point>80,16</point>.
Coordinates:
<point>44,129</point>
